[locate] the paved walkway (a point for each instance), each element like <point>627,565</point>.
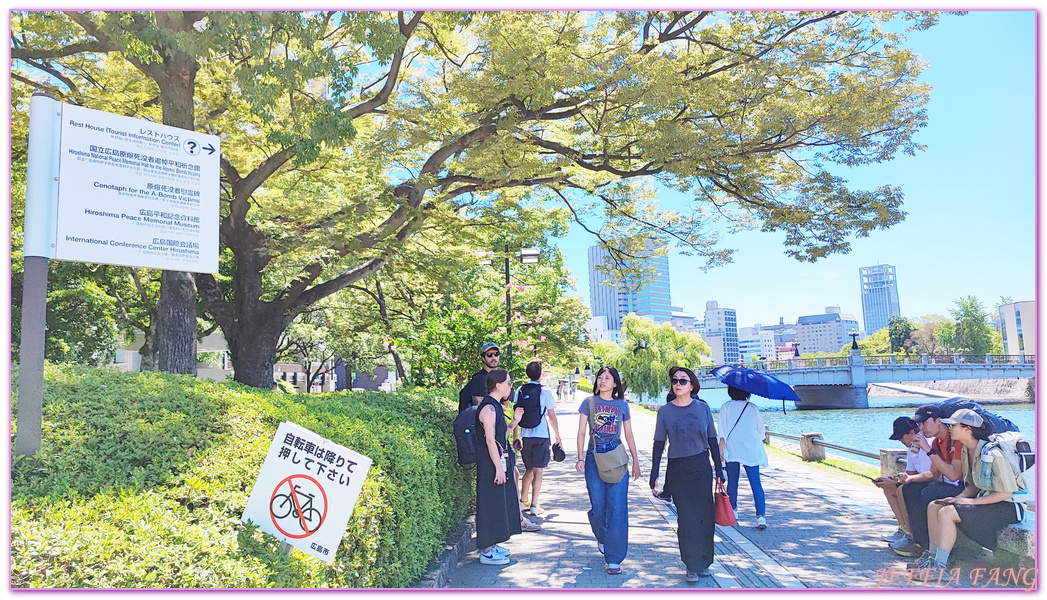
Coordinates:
<point>824,532</point>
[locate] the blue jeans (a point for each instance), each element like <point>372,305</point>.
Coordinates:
<point>609,516</point>
<point>753,475</point>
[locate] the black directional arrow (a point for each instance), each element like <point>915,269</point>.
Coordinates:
<point>209,148</point>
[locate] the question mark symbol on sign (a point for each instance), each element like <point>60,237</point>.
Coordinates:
<point>191,147</point>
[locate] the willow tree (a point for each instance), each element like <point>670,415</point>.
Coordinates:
<point>346,133</point>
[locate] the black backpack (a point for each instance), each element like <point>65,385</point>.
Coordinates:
<point>529,398</point>
<point>999,424</point>
<point>465,435</point>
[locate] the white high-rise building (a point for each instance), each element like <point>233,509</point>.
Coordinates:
<point>721,333</point>
<point>1018,328</point>
<point>879,296</point>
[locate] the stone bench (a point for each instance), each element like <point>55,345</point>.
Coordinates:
<point>1017,543</point>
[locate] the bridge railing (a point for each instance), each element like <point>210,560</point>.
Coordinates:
<point>889,359</point>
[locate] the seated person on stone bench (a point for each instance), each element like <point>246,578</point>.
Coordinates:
<point>941,481</point>
<point>985,506</point>
<point>916,462</point>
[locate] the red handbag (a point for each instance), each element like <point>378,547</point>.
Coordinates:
<point>724,511</point>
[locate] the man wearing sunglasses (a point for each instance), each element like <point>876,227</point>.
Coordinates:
<point>476,389</point>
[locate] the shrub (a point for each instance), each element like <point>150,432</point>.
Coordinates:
<point>142,478</point>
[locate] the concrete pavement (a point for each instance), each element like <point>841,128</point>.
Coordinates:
<point>824,532</point>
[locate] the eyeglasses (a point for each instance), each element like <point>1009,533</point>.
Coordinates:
<point>680,381</point>
<point>491,354</point>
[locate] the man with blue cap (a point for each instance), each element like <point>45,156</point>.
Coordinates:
<point>476,389</point>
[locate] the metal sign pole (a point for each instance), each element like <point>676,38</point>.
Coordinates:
<point>31,357</point>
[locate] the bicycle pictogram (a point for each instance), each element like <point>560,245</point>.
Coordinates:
<point>298,506</point>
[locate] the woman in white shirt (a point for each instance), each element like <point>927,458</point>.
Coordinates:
<point>741,444</point>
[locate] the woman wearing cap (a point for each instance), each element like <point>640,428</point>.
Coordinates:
<point>741,445</point>
<point>609,515</point>
<point>985,506</point>
<point>687,424</point>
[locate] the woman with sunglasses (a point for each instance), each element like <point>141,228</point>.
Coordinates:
<point>686,422</point>
<point>609,515</point>
<point>497,505</point>
<point>985,506</point>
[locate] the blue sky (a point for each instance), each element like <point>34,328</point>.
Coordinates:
<point>970,197</point>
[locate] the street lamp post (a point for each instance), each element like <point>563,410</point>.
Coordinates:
<point>527,256</point>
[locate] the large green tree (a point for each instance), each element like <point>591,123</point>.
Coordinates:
<point>335,154</point>
<point>971,331</point>
<point>898,330</point>
<point>645,351</point>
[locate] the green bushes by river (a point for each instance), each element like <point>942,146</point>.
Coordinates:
<point>142,479</point>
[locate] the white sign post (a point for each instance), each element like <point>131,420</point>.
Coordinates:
<point>306,491</point>
<point>105,188</point>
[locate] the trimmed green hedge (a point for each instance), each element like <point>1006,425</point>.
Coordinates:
<point>142,478</point>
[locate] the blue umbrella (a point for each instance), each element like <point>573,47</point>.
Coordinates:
<point>756,382</point>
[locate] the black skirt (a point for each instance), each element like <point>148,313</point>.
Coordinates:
<point>497,506</point>
<point>691,480</point>
<point>983,522</point>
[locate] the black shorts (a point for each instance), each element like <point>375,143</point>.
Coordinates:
<point>536,452</point>
<point>983,522</point>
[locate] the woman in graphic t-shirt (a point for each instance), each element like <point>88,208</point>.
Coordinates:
<point>609,515</point>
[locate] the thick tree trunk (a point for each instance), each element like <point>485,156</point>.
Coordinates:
<point>253,352</point>
<point>176,323</point>
<point>176,310</point>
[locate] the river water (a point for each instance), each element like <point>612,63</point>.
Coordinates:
<point>866,429</point>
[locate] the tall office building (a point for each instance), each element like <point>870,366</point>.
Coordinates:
<point>1018,328</point>
<point>879,296</point>
<point>615,301</point>
<point>721,333</point>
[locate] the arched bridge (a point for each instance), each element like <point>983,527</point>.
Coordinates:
<point>840,382</point>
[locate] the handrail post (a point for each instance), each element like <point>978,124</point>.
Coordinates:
<point>988,359</point>
<point>891,463</point>
<point>809,450</point>
<point>767,435</point>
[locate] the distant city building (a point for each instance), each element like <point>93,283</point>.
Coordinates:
<point>682,321</point>
<point>598,331</point>
<point>721,333</point>
<point>1018,328</point>
<point>784,333</point>
<point>754,341</point>
<point>615,301</point>
<point>879,296</point>
<point>826,332</point>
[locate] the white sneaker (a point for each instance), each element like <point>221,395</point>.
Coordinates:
<point>599,547</point>
<point>493,558</point>
<point>902,542</point>
<point>894,537</point>
<point>761,523</point>
<point>498,549</point>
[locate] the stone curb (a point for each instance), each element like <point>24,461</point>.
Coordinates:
<point>442,567</point>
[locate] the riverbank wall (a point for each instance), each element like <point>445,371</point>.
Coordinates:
<point>1018,389</point>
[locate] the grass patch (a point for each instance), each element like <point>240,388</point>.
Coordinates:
<point>142,478</point>
<point>850,469</point>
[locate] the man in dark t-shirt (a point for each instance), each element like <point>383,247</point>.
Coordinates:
<point>476,389</point>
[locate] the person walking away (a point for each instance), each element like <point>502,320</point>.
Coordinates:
<point>475,390</point>
<point>496,500</point>
<point>742,446</point>
<point>941,481</point>
<point>917,461</point>
<point>536,445</point>
<point>609,512</point>
<point>687,424</point>
<point>985,506</point>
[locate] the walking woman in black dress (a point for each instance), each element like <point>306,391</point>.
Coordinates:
<point>497,505</point>
<point>687,423</point>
